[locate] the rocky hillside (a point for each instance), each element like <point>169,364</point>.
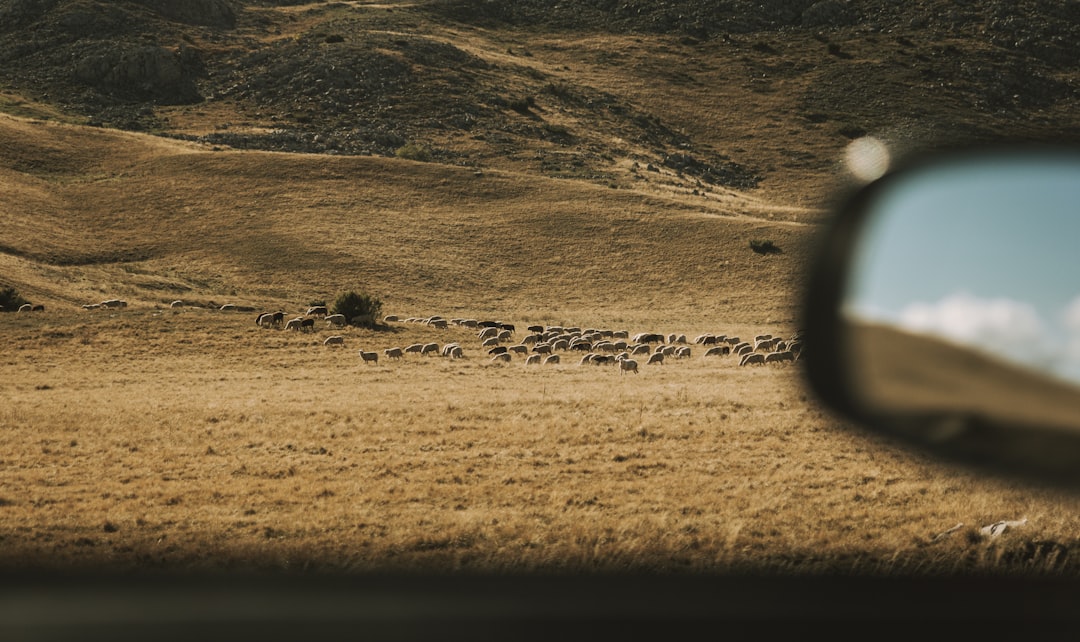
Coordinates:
<point>694,95</point>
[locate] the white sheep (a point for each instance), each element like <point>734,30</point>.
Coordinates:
<point>430,348</point>
<point>718,351</point>
<point>415,347</point>
<point>393,353</point>
<point>294,324</point>
<point>336,320</point>
<point>753,357</point>
<point>26,307</point>
<point>656,358</point>
<point>373,357</point>
<point>783,355</point>
<point>627,365</point>
<point>532,359</point>
<point>336,339</point>
<point>551,358</point>
<point>502,357</point>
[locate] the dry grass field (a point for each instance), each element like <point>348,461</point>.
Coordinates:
<point>190,438</point>
<point>153,438</point>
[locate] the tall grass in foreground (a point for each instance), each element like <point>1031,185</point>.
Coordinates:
<point>192,440</point>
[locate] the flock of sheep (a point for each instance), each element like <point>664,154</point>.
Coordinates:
<point>542,345</point>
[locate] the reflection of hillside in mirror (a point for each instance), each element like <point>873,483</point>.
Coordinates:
<point>904,372</point>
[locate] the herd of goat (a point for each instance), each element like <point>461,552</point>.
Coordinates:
<point>551,344</point>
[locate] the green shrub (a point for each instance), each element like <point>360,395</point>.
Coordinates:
<point>764,247</point>
<point>413,151</point>
<point>10,299</point>
<point>359,309</point>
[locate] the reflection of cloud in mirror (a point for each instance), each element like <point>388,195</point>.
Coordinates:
<point>1005,327</point>
<point>1070,320</point>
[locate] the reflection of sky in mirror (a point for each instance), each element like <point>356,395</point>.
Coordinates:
<point>985,254</point>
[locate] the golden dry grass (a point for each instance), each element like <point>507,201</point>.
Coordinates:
<point>185,439</point>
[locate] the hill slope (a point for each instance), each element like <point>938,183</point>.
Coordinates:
<point>595,155</point>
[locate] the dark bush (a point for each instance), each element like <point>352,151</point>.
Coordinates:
<point>359,309</point>
<point>764,247</point>
<point>414,151</point>
<point>10,299</point>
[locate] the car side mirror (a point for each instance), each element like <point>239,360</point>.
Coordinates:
<point>943,307</point>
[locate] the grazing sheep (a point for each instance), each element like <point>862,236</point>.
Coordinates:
<point>587,358</point>
<point>307,325</point>
<point>705,339</point>
<point>551,358</point>
<point>766,345</point>
<point>641,349</point>
<point>561,344</point>
<point>440,324</point>
<point>488,332</point>
<point>532,359</point>
<point>744,349</point>
<point>294,324</point>
<point>369,356</point>
<point>489,342</point>
<point>430,348</point>
<point>682,352</point>
<point>114,303</point>
<point>503,357</point>
<point>505,335</point>
<point>393,353</point>
<point>497,350</point>
<point>542,348</point>
<point>536,329</point>
<point>753,357</point>
<point>228,307</point>
<point>265,320</point>
<point>456,352</point>
<point>717,351</point>
<point>279,319</point>
<point>519,348</point>
<point>336,320</point>
<point>508,327</point>
<point>336,339</point>
<point>391,318</point>
<point>656,358</point>
<point>317,310</point>
<point>762,337</point>
<point>415,347</point>
<point>176,304</point>
<point>783,355</point>
<point>627,365</point>
<point>26,307</point>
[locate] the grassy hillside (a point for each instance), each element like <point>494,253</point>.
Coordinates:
<point>583,163</point>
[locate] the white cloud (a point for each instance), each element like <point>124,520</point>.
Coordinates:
<point>1070,321</point>
<point>1005,327</point>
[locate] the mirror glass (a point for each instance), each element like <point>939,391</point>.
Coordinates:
<point>964,291</point>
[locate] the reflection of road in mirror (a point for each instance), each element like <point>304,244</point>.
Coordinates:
<point>900,371</point>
